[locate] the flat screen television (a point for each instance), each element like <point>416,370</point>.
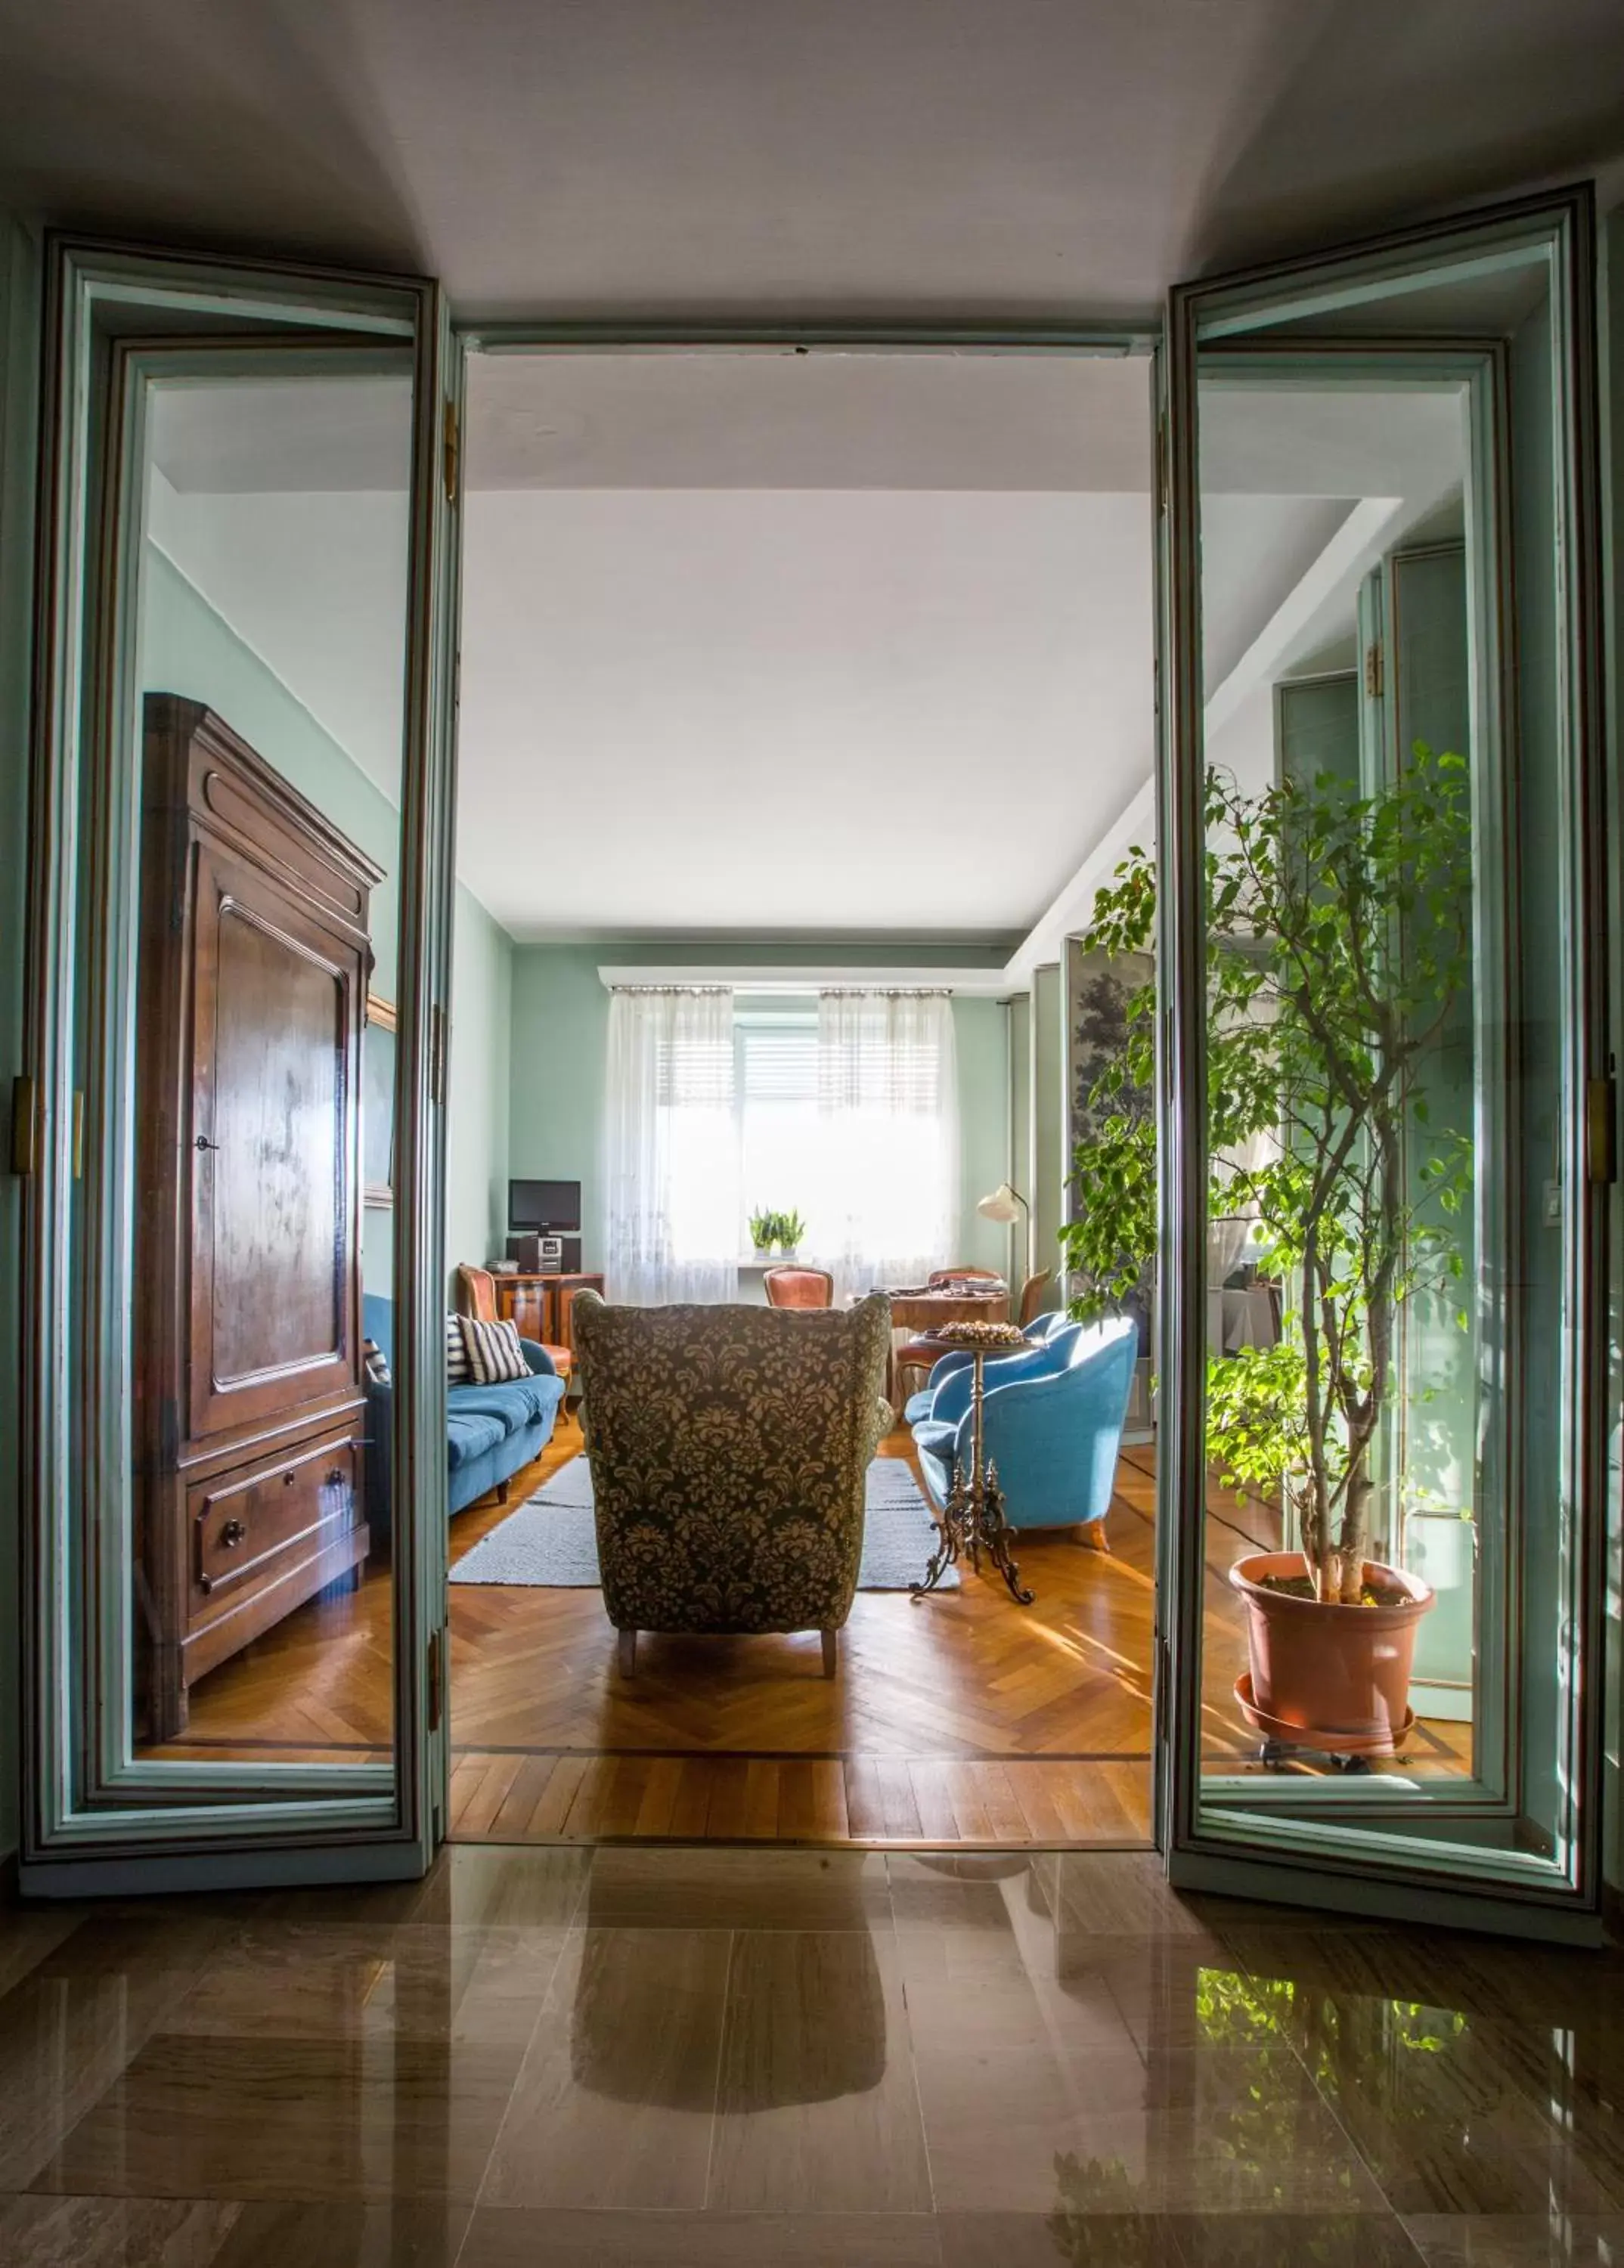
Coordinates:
<point>544,1208</point>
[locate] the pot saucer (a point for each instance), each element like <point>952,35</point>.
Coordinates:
<point>1304,1736</point>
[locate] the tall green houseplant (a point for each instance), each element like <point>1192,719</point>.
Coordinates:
<point>1338,940</point>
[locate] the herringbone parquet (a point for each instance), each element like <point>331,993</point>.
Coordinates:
<point>961,1718</point>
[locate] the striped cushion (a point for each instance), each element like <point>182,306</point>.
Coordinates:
<point>457,1372</point>
<point>493,1352</point>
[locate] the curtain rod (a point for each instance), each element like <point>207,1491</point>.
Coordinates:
<point>802,991</point>
<point>744,976</point>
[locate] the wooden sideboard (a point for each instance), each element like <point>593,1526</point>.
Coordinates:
<point>541,1305</point>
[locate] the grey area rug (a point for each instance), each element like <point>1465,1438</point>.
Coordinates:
<point>551,1542</point>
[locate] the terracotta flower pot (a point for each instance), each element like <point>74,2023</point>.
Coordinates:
<point>1341,1671</point>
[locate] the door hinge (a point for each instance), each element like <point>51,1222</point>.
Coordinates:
<point>1161,1684</point>
<point>1161,465</point>
<point>437,1056</point>
<point>451,453</point>
<point>78,1135</point>
<point>1600,1130</point>
<point>25,1125</point>
<point>1375,671</point>
<point>435,1679</point>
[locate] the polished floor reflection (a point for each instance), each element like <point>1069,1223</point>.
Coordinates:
<point>708,2056</point>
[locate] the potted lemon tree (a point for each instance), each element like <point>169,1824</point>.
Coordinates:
<point>1338,949</point>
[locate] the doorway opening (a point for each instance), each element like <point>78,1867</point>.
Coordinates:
<point>805,698</point>
<point>806,742</point>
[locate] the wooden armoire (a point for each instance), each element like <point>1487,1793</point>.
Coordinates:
<point>254,955</point>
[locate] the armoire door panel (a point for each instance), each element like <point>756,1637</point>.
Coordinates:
<point>279,1110</point>
<point>273,1150</point>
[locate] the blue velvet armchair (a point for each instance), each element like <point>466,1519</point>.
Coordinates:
<point>1053,1425</point>
<point>1040,1331</point>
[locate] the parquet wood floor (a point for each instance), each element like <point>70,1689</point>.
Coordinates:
<point>961,1718</point>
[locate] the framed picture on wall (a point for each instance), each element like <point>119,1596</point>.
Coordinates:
<point>378,1102</point>
<point>1098,990</point>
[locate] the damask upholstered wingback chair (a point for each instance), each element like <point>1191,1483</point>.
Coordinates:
<point>729,1450</point>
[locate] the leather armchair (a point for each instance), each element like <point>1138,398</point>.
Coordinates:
<point>1053,1424</point>
<point>793,1286</point>
<point>477,1296</point>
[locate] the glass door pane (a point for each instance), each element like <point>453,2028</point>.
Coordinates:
<point>1380,939</point>
<point>237,961</point>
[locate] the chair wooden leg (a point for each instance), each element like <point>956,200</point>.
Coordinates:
<point>501,1491</point>
<point>1092,1533</point>
<point>628,1653</point>
<point>831,1651</point>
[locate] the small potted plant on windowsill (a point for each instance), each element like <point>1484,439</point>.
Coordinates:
<point>1339,943</point>
<point>776,1234</point>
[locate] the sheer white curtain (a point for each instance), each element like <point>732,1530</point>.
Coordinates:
<point>886,1208</point>
<point>673,1148</point>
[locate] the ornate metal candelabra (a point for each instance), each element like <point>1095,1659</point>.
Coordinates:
<point>973,1519</point>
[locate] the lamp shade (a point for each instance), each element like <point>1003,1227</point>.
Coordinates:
<point>1002,1204</point>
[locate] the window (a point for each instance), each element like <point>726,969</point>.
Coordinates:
<point>848,1115</point>
<point>779,1135</point>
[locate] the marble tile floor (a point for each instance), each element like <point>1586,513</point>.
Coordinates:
<point>807,2060</point>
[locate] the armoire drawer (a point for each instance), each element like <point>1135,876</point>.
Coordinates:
<point>243,1520</point>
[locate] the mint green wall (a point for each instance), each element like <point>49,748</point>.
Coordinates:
<point>1019,1045</point>
<point>18,358</point>
<point>981,1040</point>
<point>186,647</point>
<point>478,1115</point>
<point>1048,1192</point>
<point>560,1037</point>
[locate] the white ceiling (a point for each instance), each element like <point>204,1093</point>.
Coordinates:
<point>729,621</point>
<point>317,585</point>
<point>1037,160</point>
<point>282,435</point>
<point>285,502</point>
<point>767,710</point>
<point>825,419</point>
<point>1031,158</point>
<point>750,708</point>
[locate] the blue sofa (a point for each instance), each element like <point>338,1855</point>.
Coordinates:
<point>1053,1424</point>
<point>490,1430</point>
